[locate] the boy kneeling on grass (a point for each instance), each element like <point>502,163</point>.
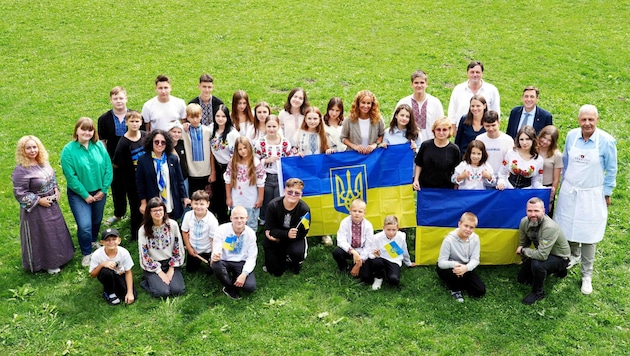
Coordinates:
<point>112,264</point>
<point>459,255</point>
<point>198,229</point>
<point>388,252</point>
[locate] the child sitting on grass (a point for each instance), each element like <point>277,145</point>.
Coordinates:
<point>198,229</point>
<point>387,253</point>
<point>459,255</point>
<point>112,264</point>
<point>353,240</point>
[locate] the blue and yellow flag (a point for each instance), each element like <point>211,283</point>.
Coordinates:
<point>393,249</point>
<point>229,244</point>
<point>331,182</point>
<point>499,214</point>
<point>306,220</point>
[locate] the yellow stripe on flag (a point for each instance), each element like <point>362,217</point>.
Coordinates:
<point>397,200</point>
<point>498,246</point>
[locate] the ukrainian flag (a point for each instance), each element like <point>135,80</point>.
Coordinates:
<point>393,249</point>
<point>382,178</point>
<point>306,220</point>
<point>499,214</point>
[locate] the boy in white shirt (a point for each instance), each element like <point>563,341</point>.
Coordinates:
<point>388,251</point>
<point>198,229</point>
<point>112,264</point>
<point>234,253</point>
<point>353,238</point>
<point>497,144</point>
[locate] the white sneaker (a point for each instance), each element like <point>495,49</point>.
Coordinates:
<point>587,286</point>
<point>96,245</point>
<point>378,282</point>
<point>85,262</point>
<point>54,270</point>
<point>327,240</point>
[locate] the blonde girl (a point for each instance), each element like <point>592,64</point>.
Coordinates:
<point>269,149</point>
<point>245,181</point>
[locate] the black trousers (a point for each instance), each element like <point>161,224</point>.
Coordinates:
<point>469,282</point>
<point>119,191</point>
<point>114,283</point>
<point>535,271</point>
<point>228,271</point>
<point>283,255</point>
<point>344,259</point>
<point>384,269</point>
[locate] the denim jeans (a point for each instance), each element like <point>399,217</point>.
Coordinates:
<point>252,218</point>
<point>88,218</point>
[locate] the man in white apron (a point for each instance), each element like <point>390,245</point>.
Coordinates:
<point>588,178</point>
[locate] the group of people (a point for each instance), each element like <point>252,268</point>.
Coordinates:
<point>226,160</point>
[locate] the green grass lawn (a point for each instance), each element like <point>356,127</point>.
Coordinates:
<point>61,58</point>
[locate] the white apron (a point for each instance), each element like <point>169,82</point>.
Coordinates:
<point>581,209</point>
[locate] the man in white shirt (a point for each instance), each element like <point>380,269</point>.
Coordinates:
<point>460,98</point>
<point>234,253</point>
<point>426,108</point>
<point>497,144</point>
<point>163,108</point>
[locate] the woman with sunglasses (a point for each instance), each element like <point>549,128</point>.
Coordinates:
<point>160,175</point>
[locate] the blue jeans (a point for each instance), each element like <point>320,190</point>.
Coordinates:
<point>252,218</point>
<point>88,218</point>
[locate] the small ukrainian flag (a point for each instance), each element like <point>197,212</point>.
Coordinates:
<point>393,249</point>
<point>306,220</point>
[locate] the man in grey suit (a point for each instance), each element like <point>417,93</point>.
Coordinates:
<point>529,113</point>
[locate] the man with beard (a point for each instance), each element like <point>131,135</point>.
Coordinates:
<point>549,254</point>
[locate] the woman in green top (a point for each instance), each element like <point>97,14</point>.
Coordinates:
<point>88,172</point>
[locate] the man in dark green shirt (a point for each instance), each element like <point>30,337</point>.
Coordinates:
<point>549,253</point>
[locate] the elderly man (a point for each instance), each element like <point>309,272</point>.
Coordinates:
<point>549,254</point>
<point>528,114</point>
<point>234,253</point>
<point>460,98</point>
<point>588,179</point>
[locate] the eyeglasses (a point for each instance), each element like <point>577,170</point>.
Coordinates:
<point>294,193</point>
<point>159,143</point>
<point>157,211</point>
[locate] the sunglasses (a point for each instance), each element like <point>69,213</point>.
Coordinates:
<point>159,143</point>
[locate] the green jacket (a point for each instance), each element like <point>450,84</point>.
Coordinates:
<point>547,239</point>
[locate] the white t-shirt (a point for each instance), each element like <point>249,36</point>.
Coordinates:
<point>496,148</point>
<point>160,114</point>
<point>123,259</point>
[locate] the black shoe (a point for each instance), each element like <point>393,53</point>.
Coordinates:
<point>232,293</point>
<point>562,273</point>
<point>296,268</point>
<point>533,297</point>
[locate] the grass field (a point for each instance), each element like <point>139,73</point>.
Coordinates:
<point>61,58</point>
